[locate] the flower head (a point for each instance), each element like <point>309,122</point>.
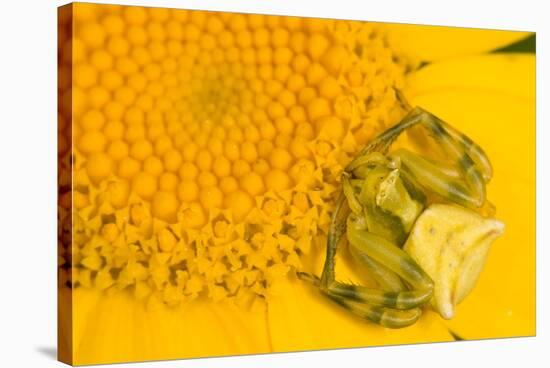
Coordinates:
<point>198,166</point>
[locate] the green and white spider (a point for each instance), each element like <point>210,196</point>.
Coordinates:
<point>383,199</point>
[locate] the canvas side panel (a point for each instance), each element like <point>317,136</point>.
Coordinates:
<point>64,184</point>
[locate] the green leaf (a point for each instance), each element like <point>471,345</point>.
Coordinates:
<point>526,45</point>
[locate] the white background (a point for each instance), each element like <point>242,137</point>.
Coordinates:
<point>28,181</point>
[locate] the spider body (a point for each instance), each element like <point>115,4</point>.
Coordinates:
<point>383,195</point>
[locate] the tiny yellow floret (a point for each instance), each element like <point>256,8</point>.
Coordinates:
<point>144,184</point>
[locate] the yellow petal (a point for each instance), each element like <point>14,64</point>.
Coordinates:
<point>494,105</point>
<point>509,74</point>
<point>64,325</point>
<point>119,328</point>
<point>433,43</point>
<point>301,318</point>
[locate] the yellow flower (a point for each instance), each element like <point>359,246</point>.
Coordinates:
<point>207,151</point>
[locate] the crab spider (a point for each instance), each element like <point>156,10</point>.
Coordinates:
<point>383,194</point>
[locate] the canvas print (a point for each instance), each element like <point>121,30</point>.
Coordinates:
<point>243,183</point>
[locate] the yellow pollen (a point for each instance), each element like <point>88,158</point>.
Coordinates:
<point>200,136</point>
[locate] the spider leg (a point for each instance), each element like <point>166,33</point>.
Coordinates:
<point>468,191</point>
<point>397,261</point>
<point>387,317</point>
<point>468,146</point>
<point>391,256</point>
<point>387,279</point>
<point>383,142</point>
<point>380,250</point>
<point>344,293</point>
<point>471,161</point>
<point>471,158</point>
<point>336,229</point>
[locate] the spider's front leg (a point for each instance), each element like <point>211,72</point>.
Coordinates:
<point>464,183</point>
<point>368,246</point>
<point>387,317</point>
<point>394,307</point>
<point>471,162</point>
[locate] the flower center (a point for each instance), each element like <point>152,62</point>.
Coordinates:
<point>208,146</point>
